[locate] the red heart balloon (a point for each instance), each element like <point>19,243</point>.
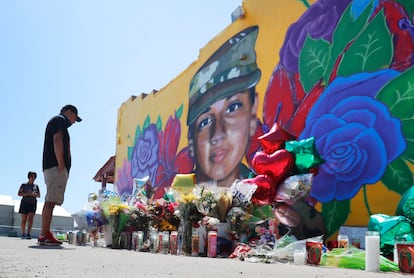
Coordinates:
<point>274,139</point>
<point>265,189</point>
<point>276,165</point>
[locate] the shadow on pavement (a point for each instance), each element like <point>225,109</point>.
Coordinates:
<point>50,247</point>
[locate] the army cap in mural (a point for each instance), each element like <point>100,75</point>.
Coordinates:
<point>231,69</point>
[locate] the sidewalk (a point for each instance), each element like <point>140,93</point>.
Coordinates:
<point>24,258</point>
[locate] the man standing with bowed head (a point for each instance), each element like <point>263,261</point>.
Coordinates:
<point>56,166</point>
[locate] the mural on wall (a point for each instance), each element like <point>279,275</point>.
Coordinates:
<point>154,154</point>
<point>345,78</point>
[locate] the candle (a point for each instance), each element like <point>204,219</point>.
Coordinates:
<point>395,253</point>
<point>343,241</point>
<point>372,251</point>
<point>299,257</point>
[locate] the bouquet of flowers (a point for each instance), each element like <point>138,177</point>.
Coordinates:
<point>189,216</point>
<point>207,201</point>
<point>90,217</point>
<point>187,209</point>
<point>211,200</point>
<point>116,212</point>
<point>241,222</point>
<point>162,215</point>
<point>138,220</point>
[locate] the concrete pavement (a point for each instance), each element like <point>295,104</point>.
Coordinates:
<point>24,258</point>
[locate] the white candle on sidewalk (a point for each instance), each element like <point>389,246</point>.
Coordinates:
<point>299,257</point>
<point>372,251</point>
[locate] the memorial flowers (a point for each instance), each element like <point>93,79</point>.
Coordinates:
<point>116,212</point>
<point>189,216</point>
<point>138,220</point>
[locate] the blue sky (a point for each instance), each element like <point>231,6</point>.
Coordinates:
<point>94,54</point>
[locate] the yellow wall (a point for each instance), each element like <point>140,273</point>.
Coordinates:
<point>175,93</point>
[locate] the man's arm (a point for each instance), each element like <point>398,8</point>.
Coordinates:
<point>58,147</point>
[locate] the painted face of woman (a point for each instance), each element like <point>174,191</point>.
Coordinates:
<point>221,137</point>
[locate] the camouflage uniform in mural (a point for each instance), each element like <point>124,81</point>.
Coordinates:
<point>222,109</point>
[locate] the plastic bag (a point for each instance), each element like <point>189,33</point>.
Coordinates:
<point>286,246</point>
<point>389,228</point>
<point>353,258</point>
<point>406,205</point>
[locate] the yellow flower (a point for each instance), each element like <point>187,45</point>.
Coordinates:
<point>113,209</point>
<point>188,198</point>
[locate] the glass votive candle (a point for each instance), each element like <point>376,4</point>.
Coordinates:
<point>372,251</point>
<point>343,241</point>
<point>313,252</point>
<point>299,257</point>
<point>405,255</point>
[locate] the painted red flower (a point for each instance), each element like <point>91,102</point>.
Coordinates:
<point>171,162</point>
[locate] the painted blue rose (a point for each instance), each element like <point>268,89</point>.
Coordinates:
<point>144,159</point>
<point>354,134</point>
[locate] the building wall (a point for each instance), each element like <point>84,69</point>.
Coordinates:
<point>339,71</point>
<point>6,214</point>
<point>10,218</point>
<point>62,221</point>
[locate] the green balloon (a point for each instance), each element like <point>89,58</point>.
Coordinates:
<point>307,156</point>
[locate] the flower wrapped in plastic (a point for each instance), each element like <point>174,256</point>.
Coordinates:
<point>187,209</point>
<point>242,223</point>
<point>189,215</point>
<point>211,200</point>
<point>138,220</point>
<point>162,215</point>
<point>116,212</point>
<point>206,200</point>
<point>224,203</point>
<point>91,216</point>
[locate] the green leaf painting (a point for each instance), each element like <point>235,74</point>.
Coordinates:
<point>358,45</point>
<point>398,176</point>
<point>398,95</point>
<point>344,34</point>
<point>130,150</point>
<point>371,50</point>
<point>409,152</point>
<point>304,2</point>
<point>334,215</point>
<point>312,61</point>
<point>179,112</point>
<point>147,122</point>
<point>159,123</point>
